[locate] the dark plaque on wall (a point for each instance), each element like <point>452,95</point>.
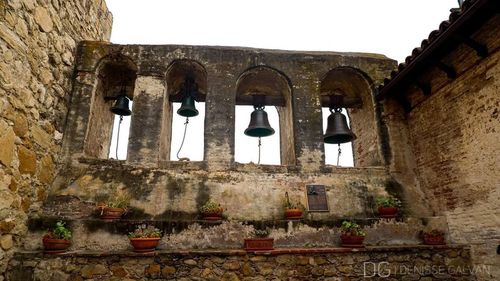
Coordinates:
<point>316,198</point>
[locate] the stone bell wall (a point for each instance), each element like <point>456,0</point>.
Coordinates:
<point>449,143</point>
<point>159,186</point>
<point>38,41</point>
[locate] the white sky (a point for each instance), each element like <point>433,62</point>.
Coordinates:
<point>389,27</point>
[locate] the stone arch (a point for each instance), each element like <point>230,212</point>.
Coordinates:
<point>113,73</point>
<point>358,96</point>
<point>177,73</point>
<point>270,87</point>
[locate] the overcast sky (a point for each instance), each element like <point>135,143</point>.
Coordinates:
<point>389,27</point>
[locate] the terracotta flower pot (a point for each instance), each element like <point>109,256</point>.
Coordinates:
<point>352,241</point>
<point>144,245</point>
<point>55,246</point>
<point>213,215</point>
<point>434,240</point>
<point>387,212</point>
<point>108,213</point>
<point>294,213</point>
<point>259,244</point>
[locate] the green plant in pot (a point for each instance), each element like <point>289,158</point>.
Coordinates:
<point>144,238</point>
<point>112,207</point>
<point>387,206</point>
<point>292,209</point>
<point>433,237</point>
<point>57,239</point>
<point>259,241</point>
<point>211,211</point>
<point>351,234</point>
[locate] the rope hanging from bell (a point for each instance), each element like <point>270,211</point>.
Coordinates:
<point>187,109</point>
<point>182,143</point>
<point>121,108</point>
<point>118,135</point>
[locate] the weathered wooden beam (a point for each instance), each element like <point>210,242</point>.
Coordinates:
<point>481,49</point>
<point>424,87</point>
<point>403,101</point>
<point>449,70</point>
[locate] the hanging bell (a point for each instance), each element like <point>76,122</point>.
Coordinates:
<point>187,108</point>
<point>259,124</point>
<point>337,130</point>
<point>121,106</point>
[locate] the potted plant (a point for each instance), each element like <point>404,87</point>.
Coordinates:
<point>352,235</point>
<point>433,237</point>
<point>387,207</point>
<point>292,209</point>
<point>114,207</point>
<point>211,211</point>
<point>145,238</point>
<point>260,241</point>
<point>57,240</point>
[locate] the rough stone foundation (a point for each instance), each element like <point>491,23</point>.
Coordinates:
<point>423,263</point>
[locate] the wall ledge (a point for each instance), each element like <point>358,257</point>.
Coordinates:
<point>242,252</point>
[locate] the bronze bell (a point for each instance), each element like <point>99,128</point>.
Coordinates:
<point>187,108</point>
<point>259,124</point>
<point>121,106</point>
<point>189,89</point>
<point>337,130</point>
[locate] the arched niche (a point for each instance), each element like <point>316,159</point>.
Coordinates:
<point>272,88</point>
<point>177,73</point>
<point>354,86</point>
<point>115,73</point>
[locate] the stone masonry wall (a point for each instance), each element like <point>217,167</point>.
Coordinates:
<point>399,263</point>
<point>38,42</point>
<point>455,137</point>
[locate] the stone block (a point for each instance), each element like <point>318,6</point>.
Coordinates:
<point>231,265</point>
<point>6,144</point>
<point>41,137</point>
<point>6,242</point>
<point>27,160</point>
<point>20,125</point>
<point>168,271</point>
<point>190,262</point>
<point>90,270</point>
<point>46,170</point>
<point>43,19</point>
<point>152,271</point>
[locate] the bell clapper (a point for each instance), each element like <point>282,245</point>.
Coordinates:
<point>182,143</point>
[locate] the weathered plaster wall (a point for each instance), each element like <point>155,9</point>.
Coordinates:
<point>247,193</point>
<point>38,42</point>
<point>449,143</point>
<point>455,136</point>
